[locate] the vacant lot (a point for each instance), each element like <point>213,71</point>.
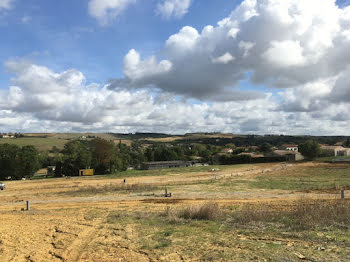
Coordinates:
<point>267,212</point>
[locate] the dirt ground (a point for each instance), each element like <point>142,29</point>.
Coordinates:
<point>66,223</point>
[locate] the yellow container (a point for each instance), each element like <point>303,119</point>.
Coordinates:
<point>86,172</point>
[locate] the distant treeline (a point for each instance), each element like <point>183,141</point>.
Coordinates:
<point>18,162</point>
<point>108,157</point>
<point>254,140</point>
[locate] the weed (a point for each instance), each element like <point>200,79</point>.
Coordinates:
<point>304,214</point>
<point>207,211</point>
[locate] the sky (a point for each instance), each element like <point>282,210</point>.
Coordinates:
<point>175,66</point>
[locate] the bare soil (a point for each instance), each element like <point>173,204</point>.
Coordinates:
<point>67,225</point>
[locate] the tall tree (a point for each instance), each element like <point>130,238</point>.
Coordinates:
<point>265,148</point>
<point>29,161</point>
<point>310,149</point>
<point>103,155</point>
<point>9,161</point>
<point>76,156</point>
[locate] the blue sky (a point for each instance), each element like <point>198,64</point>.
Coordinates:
<point>262,66</point>
<point>62,35</point>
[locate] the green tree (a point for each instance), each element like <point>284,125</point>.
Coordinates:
<point>28,161</point>
<point>16,162</point>
<point>76,155</point>
<point>346,143</point>
<point>9,161</point>
<point>310,149</point>
<point>265,148</point>
<point>103,155</point>
<point>58,169</point>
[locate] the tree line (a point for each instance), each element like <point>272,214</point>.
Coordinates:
<point>107,157</point>
<point>18,162</point>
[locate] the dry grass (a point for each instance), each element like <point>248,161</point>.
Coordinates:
<point>207,211</point>
<point>303,214</point>
<point>110,188</point>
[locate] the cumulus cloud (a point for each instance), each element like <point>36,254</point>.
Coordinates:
<point>224,59</point>
<point>201,79</point>
<point>43,100</point>
<point>105,11</point>
<point>6,4</point>
<point>281,44</point>
<point>135,68</point>
<point>173,8</point>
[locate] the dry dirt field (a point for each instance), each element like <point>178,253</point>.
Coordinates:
<point>256,213</point>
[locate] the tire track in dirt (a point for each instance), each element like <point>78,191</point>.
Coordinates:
<point>114,243</point>
<point>69,246</point>
<point>95,242</point>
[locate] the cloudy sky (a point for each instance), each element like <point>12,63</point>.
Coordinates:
<point>175,66</point>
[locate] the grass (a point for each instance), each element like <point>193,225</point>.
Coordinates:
<point>330,158</point>
<point>167,171</point>
<point>207,211</point>
<point>242,233</point>
<point>306,179</point>
<point>302,214</point>
<point>40,143</point>
<point>110,188</point>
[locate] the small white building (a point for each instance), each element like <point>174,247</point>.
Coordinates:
<point>293,148</point>
<point>227,150</point>
<point>335,150</point>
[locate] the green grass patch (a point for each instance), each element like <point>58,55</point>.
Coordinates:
<point>253,232</point>
<point>330,158</point>
<point>305,179</point>
<point>168,171</point>
<point>40,143</point>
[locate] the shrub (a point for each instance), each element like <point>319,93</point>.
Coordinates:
<point>207,211</point>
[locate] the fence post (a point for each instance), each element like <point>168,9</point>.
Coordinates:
<point>342,193</point>
<point>28,205</point>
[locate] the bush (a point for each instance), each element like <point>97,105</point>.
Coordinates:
<point>207,211</point>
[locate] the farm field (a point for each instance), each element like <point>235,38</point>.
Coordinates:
<point>45,141</point>
<point>262,212</point>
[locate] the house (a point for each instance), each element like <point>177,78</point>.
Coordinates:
<point>291,156</point>
<point>8,136</point>
<point>227,151</point>
<point>253,155</point>
<point>164,164</point>
<point>335,150</point>
<point>293,148</point>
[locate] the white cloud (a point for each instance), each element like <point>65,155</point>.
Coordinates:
<point>6,4</point>
<point>297,47</point>
<point>173,8</point>
<point>281,44</point>
<point>224,59</point>
<point>284,54</point>
<point>42,100</point>
<point>105,11</point>
<point>135,68</point>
